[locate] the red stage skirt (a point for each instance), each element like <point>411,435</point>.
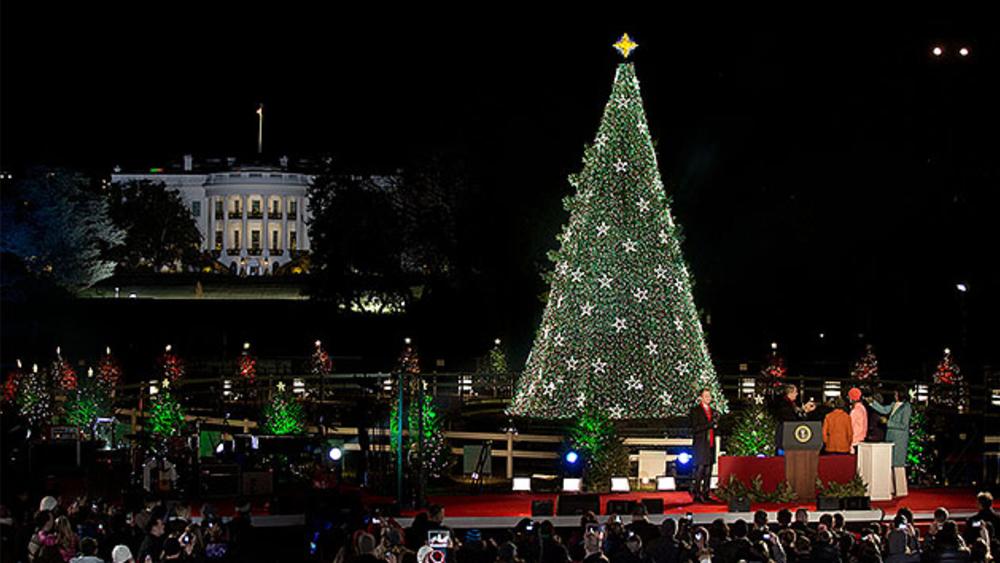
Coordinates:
<point>836,468</point>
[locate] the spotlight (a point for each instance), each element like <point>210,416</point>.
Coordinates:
<point>684,458</point>
<point>571,484</point>
<point>522,484</point>
<point>220,448</point>
<point>938,51</point>
<point>572,457</point>
<point>335,453</point>
<point>961,287</point>
<point>964,51</point>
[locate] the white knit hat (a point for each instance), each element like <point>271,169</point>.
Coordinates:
<point>424,554</point>
<point>48,503</point>
<point>121,554</point>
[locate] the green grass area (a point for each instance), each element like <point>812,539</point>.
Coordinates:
<point>193,287</point>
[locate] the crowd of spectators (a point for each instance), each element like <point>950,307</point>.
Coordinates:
<point>90,532</point>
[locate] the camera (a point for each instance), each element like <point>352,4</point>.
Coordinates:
<point>592,528</point>
<point>689,516</point>
<point>767,537</point>
<point>977,523</point>
<point>529,526</point>
<point>699,536</point>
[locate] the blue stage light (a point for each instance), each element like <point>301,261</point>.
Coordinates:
<point>684,458</point>
<point>572,457</point>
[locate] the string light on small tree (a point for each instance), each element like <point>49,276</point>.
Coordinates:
<point>247,365</point>
<point>283,415</point>
<point>63,373</point>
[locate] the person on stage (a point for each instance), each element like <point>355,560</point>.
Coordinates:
<point>704,424</point>
<point>859,418</point>
<point>897,432</point>
<point>788,410</point>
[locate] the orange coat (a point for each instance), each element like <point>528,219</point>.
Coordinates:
<point>837,432</point>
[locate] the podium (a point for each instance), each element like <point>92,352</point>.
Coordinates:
<point>875,468</point>
<point>802,441</point>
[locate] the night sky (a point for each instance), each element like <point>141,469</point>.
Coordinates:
<point>831,175</point>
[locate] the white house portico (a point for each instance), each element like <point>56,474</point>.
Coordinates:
<point>252,218</point>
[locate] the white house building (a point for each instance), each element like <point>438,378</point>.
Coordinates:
<point>252,217</point>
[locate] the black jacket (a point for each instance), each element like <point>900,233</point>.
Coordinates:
<point>704,453</point>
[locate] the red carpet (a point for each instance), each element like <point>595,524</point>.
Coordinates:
<point>519,504</point>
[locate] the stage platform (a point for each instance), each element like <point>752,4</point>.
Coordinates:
<point>505,510</point>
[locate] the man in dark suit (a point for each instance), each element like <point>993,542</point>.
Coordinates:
<point>704,424</point>
<point>788,410</point>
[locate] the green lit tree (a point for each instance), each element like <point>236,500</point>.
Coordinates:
<point>921,456</point>
<point>284,414</point>
<point>89,401</point>
<point>754,430</point>
<point>498,359</point>
<point>166,417</point>
<point>620,330</point>
<point>424,441</point>
<point>604,455</point>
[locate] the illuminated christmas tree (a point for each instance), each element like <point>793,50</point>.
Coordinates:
<point>10,385</point>
<point>34,398</point>
<point>171,365</point>
<point>620,331</point>
<point>284,414</point>
<point>754,430</point>
<point>166,417</point>
<point>772,375</point>
<point>321,363</point>
<point>89,401</point>
<point>247,366</point>
<point>866,368</point>
<point>595,438</point>
<point>109,371</point>
<point>921,455</point>
<point>498,359</point>
<point>63,374</point>
<point>424,443</point>
<point>949,390</point>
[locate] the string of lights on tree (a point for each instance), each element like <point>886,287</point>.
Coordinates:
<point>171,365</point>
<point>498,358</point>
<point>10,384</point>
<point>866,368</point>
<point>620,330</point>
<point>247,366</point>
<point>595,439</point>
<point>34,398</point>
<point>89,401</point>
<point>109,371</point>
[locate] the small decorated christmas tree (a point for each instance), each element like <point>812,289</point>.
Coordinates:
<point>109,371</point>
<point>34,399</point>
<point>89,401</point>
<point>284,414</point>
<point>10,385</point>
<point>595,438</point>
<point>921,455</point>
<point>166,417</point>
<point>498,359</point>
<point>63,374</point>
<point>865,370</point>
<point>425,444</point>
<point>754,430</point>
<point>171,366</point>
<point>772,375</point>
<point>247,366</point>
<point>321,363</point>
<point>950,390</point>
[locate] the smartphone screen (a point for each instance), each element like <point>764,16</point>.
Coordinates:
<point>438,539</point>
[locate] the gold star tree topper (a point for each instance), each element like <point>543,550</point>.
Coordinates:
<point>281,386</point>
<point>625,45</point>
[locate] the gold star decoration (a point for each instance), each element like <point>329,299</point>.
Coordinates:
<point>281,387</point>
<point>166,383</point>
<point>625,45</point>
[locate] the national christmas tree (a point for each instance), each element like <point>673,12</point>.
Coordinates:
<point>424,443</point>
<point>754,430</point>
<point>620,330</point>
<point>166,417</point>
<point>949,390</point>
<point>284,414</point>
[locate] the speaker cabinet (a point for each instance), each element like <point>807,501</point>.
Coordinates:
<point>575,505</point>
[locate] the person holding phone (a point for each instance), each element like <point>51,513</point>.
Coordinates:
<point>704,425</point>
